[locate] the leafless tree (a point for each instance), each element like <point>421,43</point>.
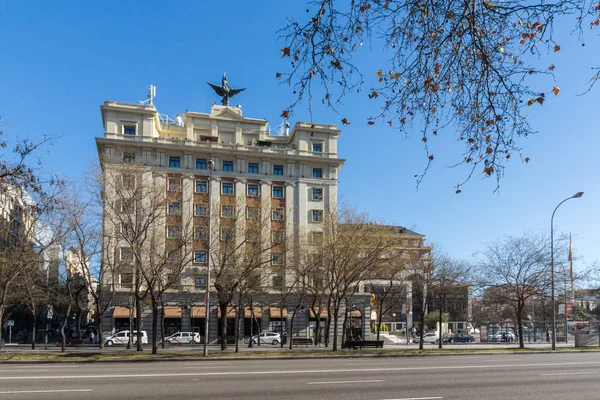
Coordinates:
<point>448,277</point>
<point>516,269</point>
<point>27,222</point>
<point>351,248</point>
<point>241,246</point>
<point>452,64</point>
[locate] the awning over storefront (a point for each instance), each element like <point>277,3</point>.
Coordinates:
<point>198,312</point>
<point>230,312</point>
<point>257,312</point>
<point>122,312</point>
<point>355,314</point>
<point>275,313</point>
<point>172,312</point>
<point>322,315</point>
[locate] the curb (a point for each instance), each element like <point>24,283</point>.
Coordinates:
<point>262,358</point>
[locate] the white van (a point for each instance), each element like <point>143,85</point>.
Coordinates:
<point>122,338</point>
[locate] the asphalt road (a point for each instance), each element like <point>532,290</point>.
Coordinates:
<point>523,376</point>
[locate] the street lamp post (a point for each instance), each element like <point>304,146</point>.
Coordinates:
<point>395,327</point>
<point>211,166</point>
<point>575,196</point>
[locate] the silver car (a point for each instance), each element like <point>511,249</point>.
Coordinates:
<point>183,338</point>
<point>268,338</point>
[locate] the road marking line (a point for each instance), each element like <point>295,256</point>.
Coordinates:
<point>504,359</point>
<point>337,382</point>
<point>47,391</point>
<point>417,398</point>
<point>572,373</point>
<point>290,372</point>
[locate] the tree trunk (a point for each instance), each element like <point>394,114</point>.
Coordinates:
<point>138,323</point>
<point>222,325</point>
<point>291,335</point>
<point>335,327</point>
<point>1,319</point>
<point>79,313</point>
<point>154,326</point>
<point>440,321</point>
<point>421,331</point>
<point>99,328</point>
<point>162,324</point>
<point>62,329</point>
<point>237,331</point>
<point>33,329</point>
<point>520,326</point>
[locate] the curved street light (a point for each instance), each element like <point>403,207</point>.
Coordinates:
<point>575,196</point>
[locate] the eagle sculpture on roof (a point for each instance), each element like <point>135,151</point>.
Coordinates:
<point>224,90</point>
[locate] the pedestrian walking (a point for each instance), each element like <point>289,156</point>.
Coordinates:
<point>91,336</point>
<point>547,334</point>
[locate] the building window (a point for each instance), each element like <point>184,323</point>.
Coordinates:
<point>317,215</point>
<point>129,130</point>
<point>174,184</point>
<point>174,162</point>
<point>200,282</point>
<point>227,211</point>
<point>252,235</point>
<point>278,214</point>
<point>201,186</point>
<point>200,256</point>
<point>126,254</point>
<point>173,256</point>
<point>277,169</point>
<point>201,163</point>
<point>252,213</point>
<point>253,168</point>
<point>128,158</point>
<point>127,206</point>
<point>200,233</point>
<point>128,181</point>
<point>278,236</point>
<point>253,190</point>
<point>228,166</point>
<point>173,232</point>
<point>277,259</point>
<point>317,172</point>
<point>278,191</point>
<point>174,208</point>
<point>200,210</point>
<point>277,282</point>
<point>227,188</point>
<point>126,231</point>
<point>226,234</point>
<point>317,194</point>
<point>317,238</point>
<point>317,147</point>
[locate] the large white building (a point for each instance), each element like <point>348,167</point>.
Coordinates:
<point>292,173</point>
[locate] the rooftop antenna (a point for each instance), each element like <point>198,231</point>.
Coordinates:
<point>150,97</point>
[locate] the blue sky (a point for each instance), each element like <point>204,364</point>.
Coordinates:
<point>60,61</point>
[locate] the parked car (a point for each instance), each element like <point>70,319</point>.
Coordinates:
<point>122,338</point>
<point>461,338</point>
<point>267,337</point>
<point>183,338</point>
<point>502,336</point>
<point>428,338</point>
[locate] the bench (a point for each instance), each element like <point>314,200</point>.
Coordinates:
<point>359,344</point>
<point>302,341</point>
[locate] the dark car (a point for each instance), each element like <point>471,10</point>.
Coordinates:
<point>461,338</point>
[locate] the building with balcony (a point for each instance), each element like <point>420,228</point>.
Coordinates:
<point>291,176</point>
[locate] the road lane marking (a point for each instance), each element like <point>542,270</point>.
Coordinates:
<point>572,373</point>
<point>291,372</point>
<point>504,359</point>
<point>47,391</point>
<point>417,398</point>
<point>338,382</point>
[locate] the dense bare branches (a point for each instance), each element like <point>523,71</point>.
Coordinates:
<point>516,269</point>
<point>452,64</point>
